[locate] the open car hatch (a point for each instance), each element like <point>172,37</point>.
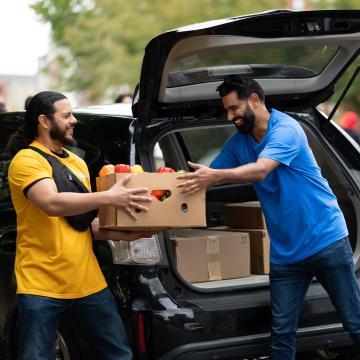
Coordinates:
<point>295,56</point>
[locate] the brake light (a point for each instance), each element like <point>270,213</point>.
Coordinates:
<point>143,251</point>
<point>141,332</point>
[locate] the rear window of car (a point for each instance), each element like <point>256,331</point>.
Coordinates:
<point>265,62</point>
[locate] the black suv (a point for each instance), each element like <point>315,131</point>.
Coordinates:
<point>298,58</point>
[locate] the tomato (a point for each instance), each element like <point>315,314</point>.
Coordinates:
<point>165,170</point>
<point>136,169</point>
<point>161,195</point>
<point>158,193</point>
<point>122,168</point>
<point>106,170</point>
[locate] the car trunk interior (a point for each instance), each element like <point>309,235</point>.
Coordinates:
<point>185,88</point>
<point>220,195</point>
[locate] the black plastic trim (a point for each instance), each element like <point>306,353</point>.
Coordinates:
<point>308,339</point>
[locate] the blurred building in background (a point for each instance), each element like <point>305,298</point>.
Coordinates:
<point>14,89</point>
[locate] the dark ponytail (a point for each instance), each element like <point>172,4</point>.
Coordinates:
<point>18,140</point>
<point>40,104</point>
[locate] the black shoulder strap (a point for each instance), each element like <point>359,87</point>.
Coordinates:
<point>56,164</point>
<point>66,181</point>
<point>43,153</point>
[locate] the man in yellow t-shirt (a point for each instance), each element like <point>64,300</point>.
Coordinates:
<point>55,267</point>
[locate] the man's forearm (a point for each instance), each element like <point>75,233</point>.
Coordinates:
<point>243,174</point>
<point>44,195</point>
<point>68,203</point>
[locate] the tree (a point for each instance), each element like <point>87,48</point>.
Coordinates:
<point>100,43</point>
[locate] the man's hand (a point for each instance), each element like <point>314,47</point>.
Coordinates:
<point>128,199</point>
<point>202,178</point>
<point>103,234</point>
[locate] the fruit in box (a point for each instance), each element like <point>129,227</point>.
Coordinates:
<point>122,168</point>
<point>107,169</point>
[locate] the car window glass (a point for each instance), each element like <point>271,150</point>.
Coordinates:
<point>278,61</point>
<point>197,145</point>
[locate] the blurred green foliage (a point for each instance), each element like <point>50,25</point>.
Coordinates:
<point>99,44</point>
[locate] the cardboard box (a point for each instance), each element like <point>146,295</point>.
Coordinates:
<point>259,248</point>
<point>177,211</point>
<point>203,255</point>
<point>247,215</point>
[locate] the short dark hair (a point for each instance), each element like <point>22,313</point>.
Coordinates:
<point>243,85</point>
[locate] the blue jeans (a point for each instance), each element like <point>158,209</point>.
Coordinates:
<point>96,314</point>
<point>334,269</point>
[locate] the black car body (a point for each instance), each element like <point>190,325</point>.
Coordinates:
<point>177,109</point>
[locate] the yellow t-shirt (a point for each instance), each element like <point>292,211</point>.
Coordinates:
<point>52,258</point>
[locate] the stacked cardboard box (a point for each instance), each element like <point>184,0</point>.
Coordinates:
<point>177,211</point>
<point>248,217</point>
<point>205,255</point>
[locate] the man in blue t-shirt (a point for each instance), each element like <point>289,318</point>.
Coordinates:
<point>307,230</point>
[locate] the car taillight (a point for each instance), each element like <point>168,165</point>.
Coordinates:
<point>143,251</point>
<point>141,332</point>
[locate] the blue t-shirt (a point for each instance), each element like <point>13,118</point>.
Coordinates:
<point>302,214</point>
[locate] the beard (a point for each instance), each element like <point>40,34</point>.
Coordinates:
<point>248,124</point>
<point>60,135</point>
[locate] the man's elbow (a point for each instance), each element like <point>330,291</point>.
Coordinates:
<point>261,176</point>
<point>52,208</point>
<point>262,172</point>
<point>264,167</point>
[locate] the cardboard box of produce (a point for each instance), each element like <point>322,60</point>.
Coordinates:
<point>247,215</point>
<point>259,248</point>
<point>204,255</point>
<point>175,211</point>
